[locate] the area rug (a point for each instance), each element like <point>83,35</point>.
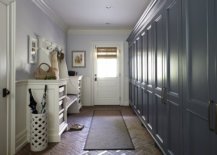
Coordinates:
<point>108,131</point>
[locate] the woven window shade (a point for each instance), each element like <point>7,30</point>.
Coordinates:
<point>107,52</point>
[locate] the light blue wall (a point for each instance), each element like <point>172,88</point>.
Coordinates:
<point>30,20</point>
<point>84,39</point>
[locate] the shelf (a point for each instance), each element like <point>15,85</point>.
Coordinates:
<point>62,97</point>
<point>60,102</point>
<point>71,101</point>
<point>62,127</point>
<point>61,111</point>
<point>61,89</point>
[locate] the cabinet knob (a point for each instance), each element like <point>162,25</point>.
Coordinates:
<point>210,113</point>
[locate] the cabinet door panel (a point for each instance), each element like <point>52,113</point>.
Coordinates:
<point>130,62</point>
<point>139,60</point>
<point>133,95</point>
<point>139,107</point>
<point>197,90</point>
<point>136,97</point>
<point>151,113</point>
<point>150,62</point>
<point>145,105</point>
<point>159,59</point>
<point>144,58</point>
<point>134,61</point>
<point>144,75</point>
<point>150,78</point>
<point>160,121</point>
<point>173,76</point>
<point>130,93</point>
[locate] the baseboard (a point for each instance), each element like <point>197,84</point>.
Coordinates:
<point>125,103</point>
<point>21,140</point>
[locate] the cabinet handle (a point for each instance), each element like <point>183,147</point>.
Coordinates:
<point>165,95</point>
<point>162,95</point>
<point>209,114</point>
<point>216,118</point>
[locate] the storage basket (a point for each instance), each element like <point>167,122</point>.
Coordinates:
<point>39,138</point>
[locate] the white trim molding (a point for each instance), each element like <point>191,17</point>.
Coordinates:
<point>41,4</point>
<point>12,74</point>
<point>99,31</point>
<point>21,140</point>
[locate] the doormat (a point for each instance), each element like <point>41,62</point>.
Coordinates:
<point>108,131</point>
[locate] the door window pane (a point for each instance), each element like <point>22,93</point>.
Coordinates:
<point>107,62</point>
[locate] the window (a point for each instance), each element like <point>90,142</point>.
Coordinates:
<point>107,62</point>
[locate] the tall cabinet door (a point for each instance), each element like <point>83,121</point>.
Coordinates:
<point>173,74</point>
<point>134,94</point>
<point>139,68</point>
<point>198,125</point>
<point>159,49</point>
<point>150,78</point>
<point>145,93</point>
<point>213,77</point>
<point>130,75</point>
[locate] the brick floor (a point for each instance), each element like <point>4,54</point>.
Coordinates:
<point>72,142</point>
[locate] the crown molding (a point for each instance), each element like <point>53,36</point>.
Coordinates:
<point>7,2</point>
<point>99,31</point>
<point>41,4</point>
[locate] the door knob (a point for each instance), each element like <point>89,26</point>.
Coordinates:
<point>95,78</point>
<point>5,92</point>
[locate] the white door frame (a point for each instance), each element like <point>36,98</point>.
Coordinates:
<point>120,46</point>
<point>11,42</point>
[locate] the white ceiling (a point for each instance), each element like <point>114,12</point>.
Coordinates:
<point>80,14</point>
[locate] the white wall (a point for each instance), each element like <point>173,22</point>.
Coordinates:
<point>30,20</point>
<point>83,40</point>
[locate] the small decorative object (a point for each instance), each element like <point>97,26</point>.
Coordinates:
<point>78,59</point>
<point>42,74</point>
<point>33,48</point>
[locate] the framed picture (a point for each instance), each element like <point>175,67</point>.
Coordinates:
<point>33,48</point>
<point>78,59</point>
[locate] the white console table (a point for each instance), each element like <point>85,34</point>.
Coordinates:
<point>57,104</point>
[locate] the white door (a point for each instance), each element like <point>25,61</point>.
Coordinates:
<point>3,78</point>
<point>106,75</point>
<point>7,76</point>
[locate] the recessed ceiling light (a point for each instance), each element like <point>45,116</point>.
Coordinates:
<point>108,7</point>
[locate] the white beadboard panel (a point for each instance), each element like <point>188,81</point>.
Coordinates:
<point>21,140</point>
<point>87,91</point>
<point>126,91</point>
<point>21,134</point>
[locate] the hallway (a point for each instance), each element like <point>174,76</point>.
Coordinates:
<point>73,142</point>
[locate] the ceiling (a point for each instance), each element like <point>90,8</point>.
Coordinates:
<point>94,14</point>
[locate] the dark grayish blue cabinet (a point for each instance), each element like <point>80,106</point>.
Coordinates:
<point>173,75</point>
<point>200,77</point>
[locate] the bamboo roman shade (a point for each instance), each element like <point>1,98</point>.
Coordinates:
<point>107,52</point>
